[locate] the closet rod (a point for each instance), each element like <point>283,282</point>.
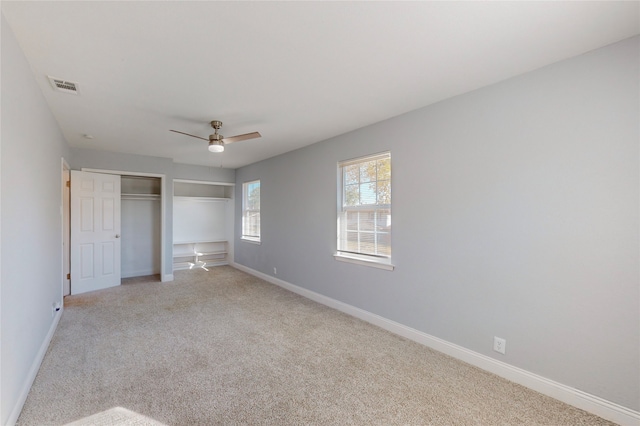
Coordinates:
<point>138,197</point>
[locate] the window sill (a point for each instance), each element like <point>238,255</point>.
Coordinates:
<point>365,261</point>
<point>251,240</point>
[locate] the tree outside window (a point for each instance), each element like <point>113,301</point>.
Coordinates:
<point>251,210</point>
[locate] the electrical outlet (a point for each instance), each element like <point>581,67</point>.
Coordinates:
<point>499,345</point>
<point>275,271</point>
<point>55,307</point>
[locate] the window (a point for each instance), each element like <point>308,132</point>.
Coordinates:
<point>251,211</point>
<point>364,210</point>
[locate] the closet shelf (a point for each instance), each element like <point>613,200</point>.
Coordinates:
<point>187,198</point>
<point>204,182</point>
<point>206,191</point>
<point>175,243</point>
<point>188,255</point>
<point>200,213</point>
<point>130,196</point>
<point>200,253</point>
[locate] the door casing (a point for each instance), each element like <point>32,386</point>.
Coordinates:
<point>66,228</point>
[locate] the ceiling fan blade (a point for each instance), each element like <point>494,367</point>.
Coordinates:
<point>193,136</point>
<point>244,137</point>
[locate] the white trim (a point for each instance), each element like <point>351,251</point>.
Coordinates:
<point>163,202</point>
<point>364,261</point>
<point>65,166</point>
<point>583,400</point>
<point>204,182</point>
<point>175,243</point>
<point>33,371</point>
<point>200,199</point>
<point>251,240</point>
<point>166,278</point>
<point>138,273</point>
<point>122,172</point>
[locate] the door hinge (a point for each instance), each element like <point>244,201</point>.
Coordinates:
<point>68,184</point>
<point>68,276</point>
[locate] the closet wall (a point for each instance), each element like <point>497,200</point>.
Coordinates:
<point>140,226</point>
<point>203,216</point>
<point>104,160</point>
<point>202,223</point>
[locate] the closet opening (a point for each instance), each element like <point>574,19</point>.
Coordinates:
<point>141,226</point>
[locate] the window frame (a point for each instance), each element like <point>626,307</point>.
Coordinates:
<point>244,231</point>
<point>375,260</point>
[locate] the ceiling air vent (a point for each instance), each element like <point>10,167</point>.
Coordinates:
<point>64,85</point>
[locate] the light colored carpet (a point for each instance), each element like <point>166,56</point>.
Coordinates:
<point>223,347</point>
<point>117,416</point>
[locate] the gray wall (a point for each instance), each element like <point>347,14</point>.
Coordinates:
<point>211,174</point>
<point>31,198</point>
<point>515,214</point>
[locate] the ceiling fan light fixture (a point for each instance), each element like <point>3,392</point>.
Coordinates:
<point>216,140</point>
<point>216,146</point>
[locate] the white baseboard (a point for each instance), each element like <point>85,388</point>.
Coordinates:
<point>33,371</point>
<point>585,401</point>
<point>140,273</point>
<point>166,278</point>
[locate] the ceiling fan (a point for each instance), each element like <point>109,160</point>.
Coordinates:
<point>217,141</point>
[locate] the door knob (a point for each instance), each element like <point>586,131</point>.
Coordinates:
<point>117,235</point>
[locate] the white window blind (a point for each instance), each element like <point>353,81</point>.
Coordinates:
<point>251,210</point>
<point>364,209</point>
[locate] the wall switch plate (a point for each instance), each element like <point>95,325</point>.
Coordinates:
<point>499,345</point>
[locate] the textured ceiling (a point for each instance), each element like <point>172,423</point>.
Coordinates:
<point>298,72</point>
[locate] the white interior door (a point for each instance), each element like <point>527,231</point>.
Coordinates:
<point>95,231</point>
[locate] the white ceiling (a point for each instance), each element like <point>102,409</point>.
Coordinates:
<point>297,72</point>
